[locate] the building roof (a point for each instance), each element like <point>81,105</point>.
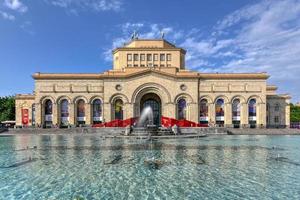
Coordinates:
<point>170,71</point>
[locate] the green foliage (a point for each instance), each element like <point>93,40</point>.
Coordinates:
<point>7,108</point>
<point>295,113</point>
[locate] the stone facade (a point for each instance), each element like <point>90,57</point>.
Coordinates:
<point>153,72</point>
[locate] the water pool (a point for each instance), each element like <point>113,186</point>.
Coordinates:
<point>91,167</point>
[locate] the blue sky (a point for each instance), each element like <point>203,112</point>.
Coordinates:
<point>77,36</point>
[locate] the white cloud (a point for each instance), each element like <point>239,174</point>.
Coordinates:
<point>7,16</point>
<point>95,5</point>
<point>15,5</point>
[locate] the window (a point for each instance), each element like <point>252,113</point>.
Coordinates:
<point>129,57</point>
<point>276,119</point>
<point>236,110</point>
<point>135,65</point>
<point>129,65</point>
<point>149,65</point>
<point>48,111</point>
<point>168,57</point>
<point>142,65</point>
<point>181,109</point>
<point>81,111</point>
<point>64,112</point>
<point>162,65</point>
<point>136,57</point>
<point>155,65</point>
<point>118,107</point>
<point>149,57</point>
<point>162,57</point>
<point>220,110</point>
<point>142,57</point>
<point>203,110</point>
<point>97,111</point>
<point>277,107</point>
<point>155,57</point>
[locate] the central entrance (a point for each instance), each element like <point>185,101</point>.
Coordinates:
<point>152,100</point>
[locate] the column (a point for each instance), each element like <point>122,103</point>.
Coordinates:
<point>54,114</point>
<point>107,112</point>
<point>72,114</point>
<point>211,113</point>
<point>88,120</point>
<point>262,115</point>
<point>193,112</point>
<point>244,115</point>
<point>38,115</point>
<point>228,115</point>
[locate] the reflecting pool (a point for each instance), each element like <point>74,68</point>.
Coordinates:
<point>92,167</point>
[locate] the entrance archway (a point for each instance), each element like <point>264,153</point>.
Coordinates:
<point>154,101</point>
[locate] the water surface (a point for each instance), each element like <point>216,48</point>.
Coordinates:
<point>91,167</point>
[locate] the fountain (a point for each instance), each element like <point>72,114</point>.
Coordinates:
<point>145,126</point>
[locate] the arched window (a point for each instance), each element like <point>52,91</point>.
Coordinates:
<point>33,114</point>
<point>277,107</point>
<point>203,111</point>
<point>236,110</point>
<point>252,113</point>
<point>48,111</point>
<point>97,111</point>
<point>118,108</point>
<point>80,111</point>
<point>236,113</point>
<point>64,112</point>
<point>181,109</point>
<point>220,111</point>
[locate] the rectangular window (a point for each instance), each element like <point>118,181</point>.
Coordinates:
<point>276,119</point>
<point>135,65</point>
<point>149,57</point>
<point>142,65</point>
<point>162,65</point>
<point>155,57</point>
<point>136,57</point>
<point>142,57</point>
<point>129,57</point>
<point>168,57</point>
<point>162,57</point>
<point>129,65</point>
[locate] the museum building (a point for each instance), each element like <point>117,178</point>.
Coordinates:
<point>152,72</point>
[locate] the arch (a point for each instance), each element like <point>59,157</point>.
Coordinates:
<point>208,98</point>
<point>44,98</point>
<point>225,98</point>
<point>77,98</point>
<point>203,110</point>
<point>185,96</point>
<point>116,96</point>
<point>94,98</point>
<point>257,98</point>
<point>158,89</point>
<point>241,98</point>
<point>59,99</point>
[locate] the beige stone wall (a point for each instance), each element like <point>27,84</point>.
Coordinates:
<point>227,89</point>
<point>24,102</point>
<point>278,111</point>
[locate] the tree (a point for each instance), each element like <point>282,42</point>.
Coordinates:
<point>7,108</point>
<point>295,113</point>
